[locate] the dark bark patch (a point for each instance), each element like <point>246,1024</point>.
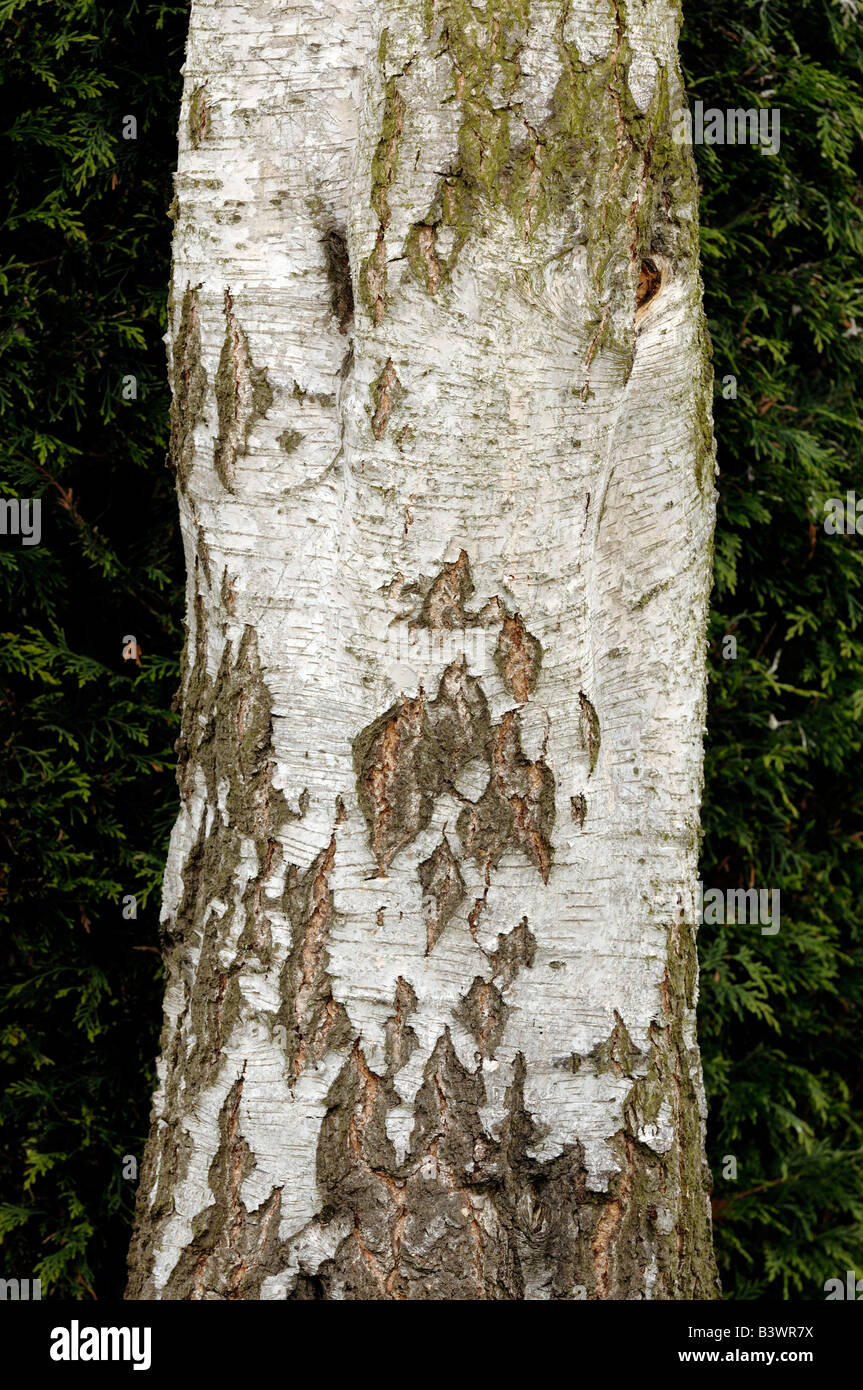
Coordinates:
<point>243,396</point>
<point>516,950</point>
<point>300,393</point>
<point>338,268</point>
<point>518,657</point>
<point>589,731</point>
<point>313,1020</point>
<point>578,808</point>
<point>373,275</point>
<point>483,1012</point>
<point>649,283</point>
<point>516,810</point>
<point>443,890</point>
<point>373,279</point>
<point>199,116</point>
<point>401,1040</point>
<point>233,1249</point>
<point>355,1166</point>
<point>386,391</point>
<point>442,601</point>
<point>412,753</point>
<point>189,388</point>
<point>444,604</point>
<point>421,251</point>
<point>226,736</point>
<point>618,1053</point>
<point>388,759</point>
<point>289,440</point>
<point>466,1216</point>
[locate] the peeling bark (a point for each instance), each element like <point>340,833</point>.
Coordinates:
<point>442,436</point>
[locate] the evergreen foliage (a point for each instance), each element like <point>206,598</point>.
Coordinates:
<point>780,1014</point>
<point>88,791</point>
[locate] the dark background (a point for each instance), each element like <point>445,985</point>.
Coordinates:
<point>87,795</point>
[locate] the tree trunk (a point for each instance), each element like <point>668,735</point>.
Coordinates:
<point>442,436</point>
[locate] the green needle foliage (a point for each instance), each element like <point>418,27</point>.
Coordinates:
<point>780,1015</point>
<point>88,792</point>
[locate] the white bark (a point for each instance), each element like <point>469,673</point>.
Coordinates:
<point>368,973</point>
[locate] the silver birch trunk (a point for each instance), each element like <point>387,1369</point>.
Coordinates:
<point>443,445</point>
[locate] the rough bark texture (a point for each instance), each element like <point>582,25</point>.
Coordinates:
<point>444,457</point>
